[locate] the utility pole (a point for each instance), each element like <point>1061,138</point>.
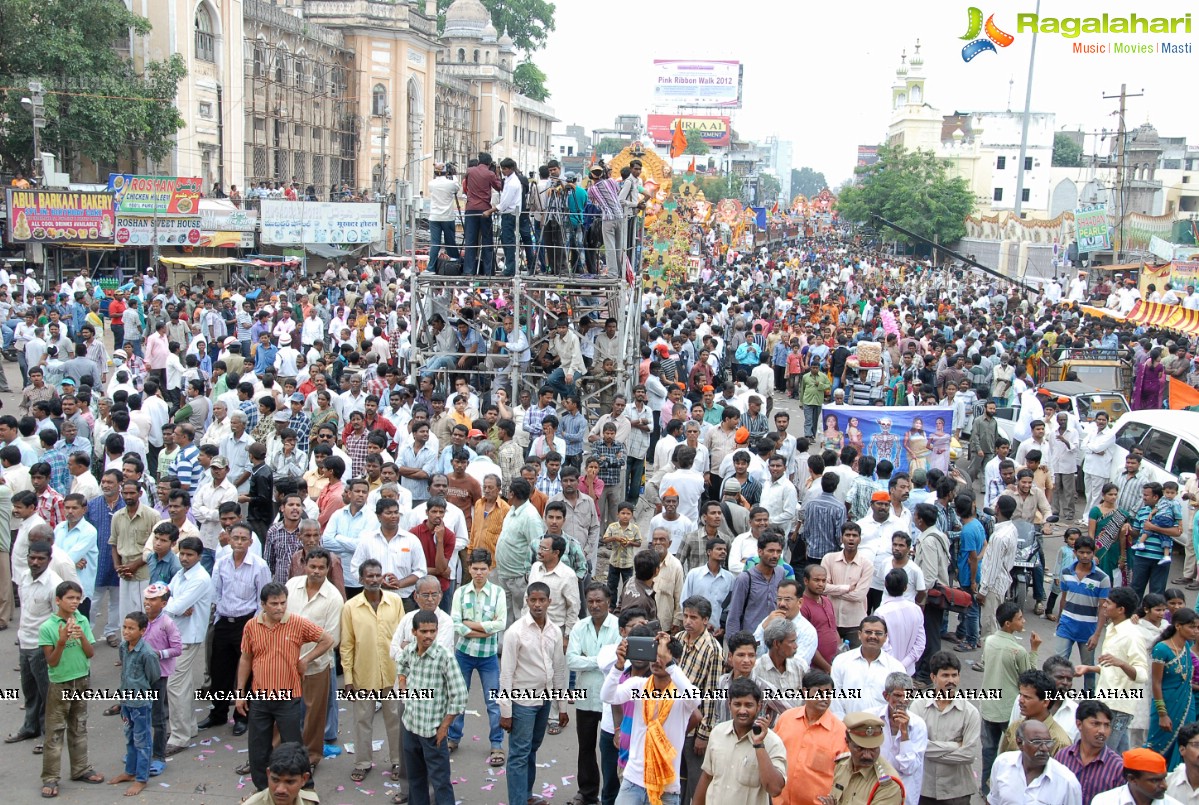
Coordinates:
<point>386,116</point>
<point>1032,57</point>
<point>36,104</point>
<point>1121,174</point>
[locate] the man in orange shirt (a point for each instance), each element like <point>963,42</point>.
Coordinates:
<point>814,737</point>
<point>488,517</point>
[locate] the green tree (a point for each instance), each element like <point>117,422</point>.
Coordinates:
<point>718,188</point>
<point>611,145</point>
<point>912,189</point>
<point>695,144</point>
<point>528,22</point>
<point>769,188</point>
<point>530,81</point>
<point>1066,152</point>
<point>806,182</point>
<point>97,106</point>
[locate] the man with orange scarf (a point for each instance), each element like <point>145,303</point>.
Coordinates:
<point>664,704</point>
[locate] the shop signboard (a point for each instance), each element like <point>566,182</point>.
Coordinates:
<point>60,216</point>
<point>155,195</point>
<point>344,223</point>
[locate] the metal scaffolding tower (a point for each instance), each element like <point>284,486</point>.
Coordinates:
<point>537,302</point>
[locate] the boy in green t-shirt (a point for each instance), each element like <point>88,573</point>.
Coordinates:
<point>66,639</point>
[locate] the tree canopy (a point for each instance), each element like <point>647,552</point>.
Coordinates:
<point>611,145</point>
<point>718,188</point>
<point>769,188</point>
<point>695,144</point>
<point>97,105</point>
<point>912,189</point>
<point>528,22</point>
<point>530,81</point>
<point>1066,152</point>
<point>807,182</point>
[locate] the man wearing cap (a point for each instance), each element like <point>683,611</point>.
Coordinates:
<point>861,776</point>
<point>1146,781</point>
<point>604,193</point>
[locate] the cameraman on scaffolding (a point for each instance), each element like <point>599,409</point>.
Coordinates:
<point>444,209</point>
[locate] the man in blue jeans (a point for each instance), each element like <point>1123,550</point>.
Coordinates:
<point>477,184</point>
<point>1154,528</point>
<point>510,207</point>
<point>480,612</point>
<point>443,214</point>
<point>426,666</point>
<point>1084,586</point>
<point>533,663</point>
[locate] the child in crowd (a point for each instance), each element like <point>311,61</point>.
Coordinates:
<point>1065,558</point>
<point>616,551</point>
<point>139,671</point>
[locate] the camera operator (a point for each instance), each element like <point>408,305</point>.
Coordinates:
<point>444,209</point>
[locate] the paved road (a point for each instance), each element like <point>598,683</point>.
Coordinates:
<point>205,773</point>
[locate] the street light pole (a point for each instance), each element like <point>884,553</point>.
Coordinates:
<point>36,104</point>
<point>1032,57</point>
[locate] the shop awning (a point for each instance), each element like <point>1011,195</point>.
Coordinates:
<point>1166,317</point>
<point>326,251</point>
<point>198,262</point>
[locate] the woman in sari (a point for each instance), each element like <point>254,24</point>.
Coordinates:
<point>1173,700</point>
<point>1106,524</point>
<point>1150,382</point>
<point>325,412</point>
<point>897,393</point>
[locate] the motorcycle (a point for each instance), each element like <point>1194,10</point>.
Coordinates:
<point>1029,568</point>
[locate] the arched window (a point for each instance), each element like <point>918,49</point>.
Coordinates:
<point>318,79</point>
<point>487,56</point>
<point>259,59</point>
<point>503,124</point>
<point>461,55</point>
<point>301,76</point>
<point>282,59</point>
<point>205,39</point>
<point>379,100</point>
<point>476,57</point>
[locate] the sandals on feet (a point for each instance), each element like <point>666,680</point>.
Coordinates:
<point>358,775</point>
<point>50,791</point>
<point>90,776</point>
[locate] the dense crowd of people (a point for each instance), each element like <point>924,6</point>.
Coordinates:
<point>289,501</point>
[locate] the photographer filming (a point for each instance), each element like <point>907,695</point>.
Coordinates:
<point>444,209</point>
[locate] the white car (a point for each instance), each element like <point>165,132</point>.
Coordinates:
<point>1169,443</point>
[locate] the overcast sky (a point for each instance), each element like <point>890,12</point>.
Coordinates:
<point>820,74</point>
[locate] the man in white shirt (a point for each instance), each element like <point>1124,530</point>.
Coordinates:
<point>510,208</point>
<point>399,552</point>
<point>780,497</point>
<point>664,672</point>
<point>864,669</point>
<point>1031,775</point>
<point>443,215</point>
<point>905,735</point>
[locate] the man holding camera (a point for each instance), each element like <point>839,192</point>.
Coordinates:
<point>443,214</point>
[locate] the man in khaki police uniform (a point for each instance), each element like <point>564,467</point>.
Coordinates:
<point>861,776</point>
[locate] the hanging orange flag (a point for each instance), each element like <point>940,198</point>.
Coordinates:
<point>691,167</point>
<point>775,209</point>
<point>1182,396</point>
<point>678,142</point>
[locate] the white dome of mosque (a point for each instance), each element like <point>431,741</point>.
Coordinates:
<point>901,70</point>
<point>466,19</point>
<point>490,34</point>
<point>506,44</point>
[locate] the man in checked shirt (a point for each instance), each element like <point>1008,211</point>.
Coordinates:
<point>702,662</point>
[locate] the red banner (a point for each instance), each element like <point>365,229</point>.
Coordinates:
<point>713,130</point>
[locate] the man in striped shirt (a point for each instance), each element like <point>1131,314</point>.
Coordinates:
<point>270,650</point>
<point>1096,766</point>
<point>1084,586</point>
